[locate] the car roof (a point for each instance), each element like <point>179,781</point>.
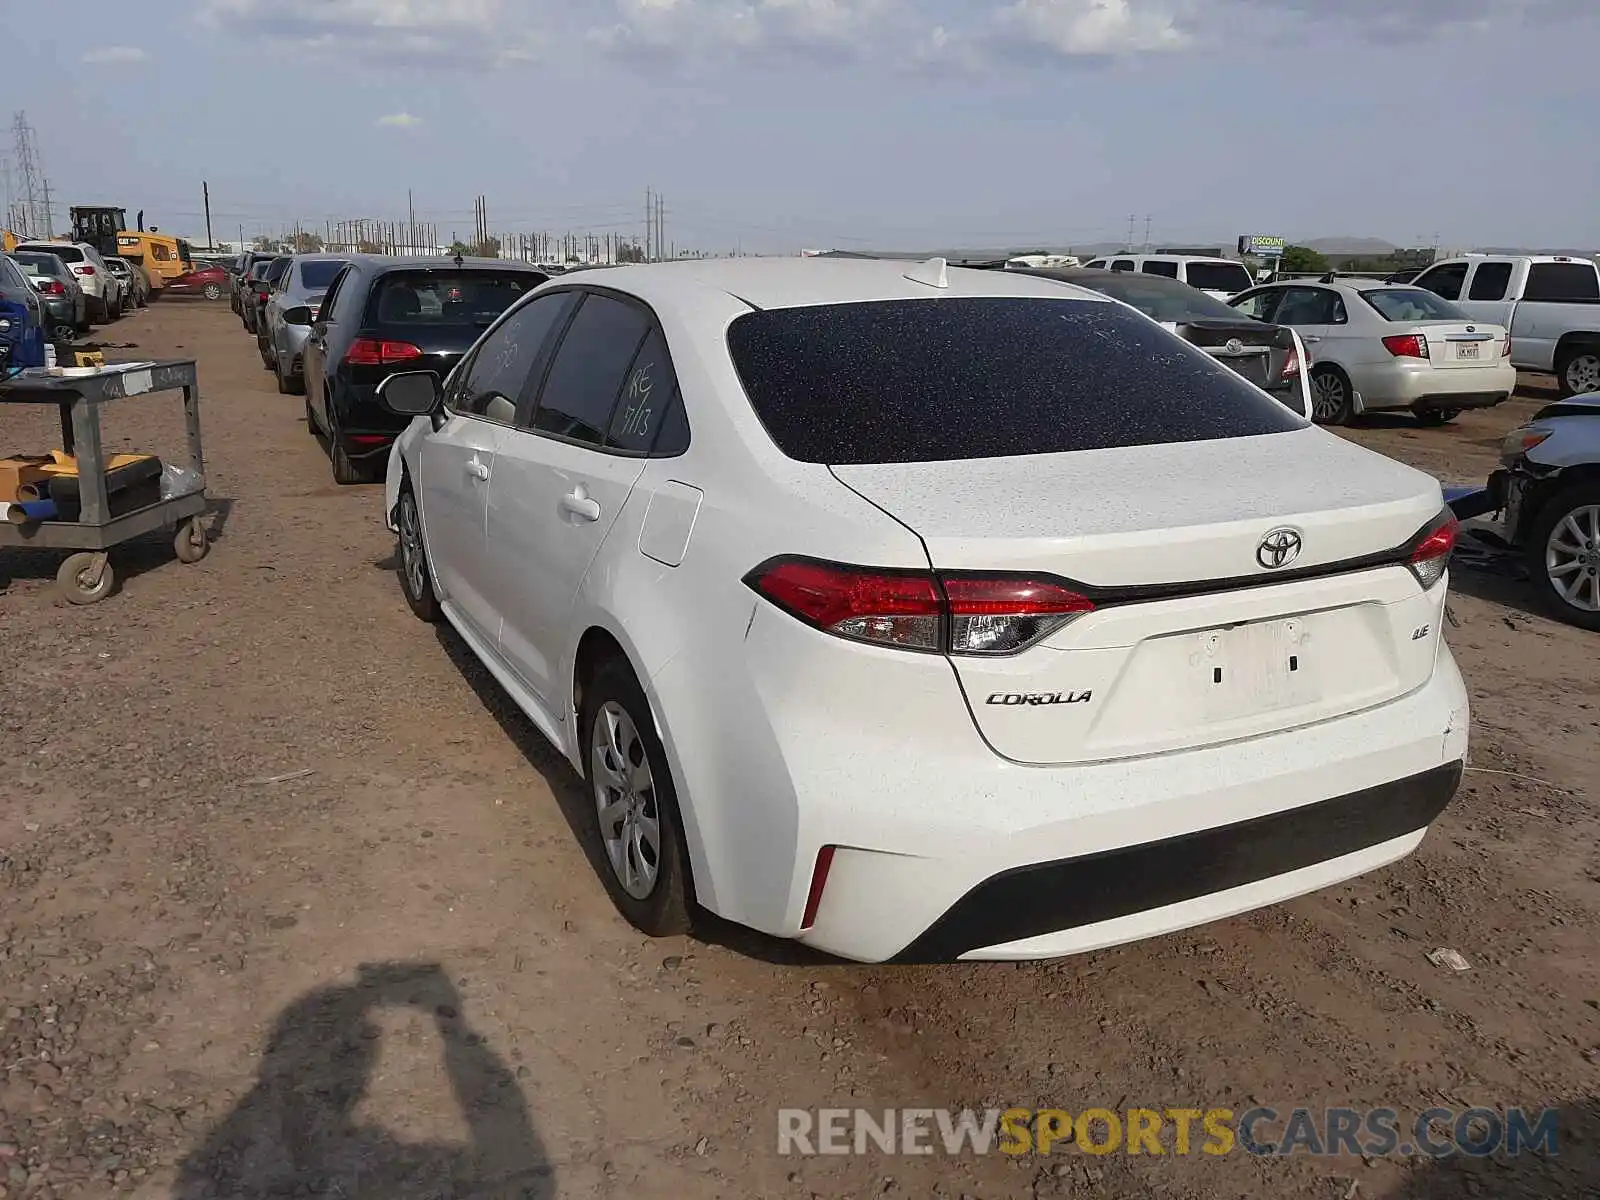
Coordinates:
<point>763,283</point>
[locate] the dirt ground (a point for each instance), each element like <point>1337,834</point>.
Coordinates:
<point>282,872</point>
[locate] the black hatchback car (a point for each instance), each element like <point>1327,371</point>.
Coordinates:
<point>383,315</point>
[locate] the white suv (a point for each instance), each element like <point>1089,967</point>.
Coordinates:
<point>102,288</point>
<point>920,613</point>
<point>1219,277</point>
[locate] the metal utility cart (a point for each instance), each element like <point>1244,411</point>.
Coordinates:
<point>86,577</point>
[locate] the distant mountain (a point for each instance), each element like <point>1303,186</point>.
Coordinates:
<point>1376,247</point>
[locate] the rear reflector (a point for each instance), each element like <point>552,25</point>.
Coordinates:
<point>1505,347</point>
<point>1407,345</point>
<point>819,880</point>
<point>917,610</point>
<point>1431,556</point>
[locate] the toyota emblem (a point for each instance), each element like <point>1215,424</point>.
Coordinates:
<point>1278,549</point>
<point>1234,346</point>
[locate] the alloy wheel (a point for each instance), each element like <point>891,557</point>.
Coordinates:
<point>411,555</point>
<point>1583,374</point>
<point>625,800</point>
<point>1572,558</point>
<point>1328,396</point>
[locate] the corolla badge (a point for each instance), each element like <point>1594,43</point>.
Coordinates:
<point>1278,549</point>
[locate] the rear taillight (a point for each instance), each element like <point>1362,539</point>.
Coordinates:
<point>1431,555</point>
<point>1505,347</point>
<point>373,352</point>
<point>918,610</point>
<point>1407,345</point>
<point>54,288</point>
<point>1291,365</point>
<point>83,270</point>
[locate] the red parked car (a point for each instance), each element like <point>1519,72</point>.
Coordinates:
<point>210,282</point>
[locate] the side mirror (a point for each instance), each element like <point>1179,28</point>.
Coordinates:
<point>411,393</point>
<point>297,316</point>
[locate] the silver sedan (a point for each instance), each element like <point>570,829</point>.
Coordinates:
<point>1387,346</point>
<point>290,309</point>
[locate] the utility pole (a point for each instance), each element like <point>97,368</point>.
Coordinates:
<point>411,224</point>
<point>1147,234</point>
<point>649,222</point>
<point>1129,242</point>
<point>49,213</point>
<point>205,194</point>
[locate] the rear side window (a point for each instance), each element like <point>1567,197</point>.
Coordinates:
<point>1122,264</point>
<point>594,358</point>
<point>275,269</point>
<point>448,297</point>
<point>505,359</point>
<point>1489,281</point>
<point>1562,281</point>
<point>1217,276</point>
<point>649,417</point>
<point>1157,267</point>
<point>983,377</point>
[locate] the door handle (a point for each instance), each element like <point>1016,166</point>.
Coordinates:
<point>577,503</point>
<point>477,469</point>
<point>1308,338</point>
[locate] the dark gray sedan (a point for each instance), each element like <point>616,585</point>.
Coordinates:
<point>65,305</point>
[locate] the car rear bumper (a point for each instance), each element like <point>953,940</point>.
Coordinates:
<point>1423,387</point>
<point>1017,862</point>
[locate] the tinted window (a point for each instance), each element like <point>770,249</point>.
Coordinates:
<point>589,369</point>
<point>1122,264</point>
<point>259,269</point>
<point>316,276</point>
<point>1217,277</point>
<point>449,297</point>
<point>43,264</point>
<point>1159,299</point>
<point>1562,281</point>
<point>983,377</point>
<point>1444,281</point>
<point>1098,263</point>
<point>1412,304</point>
<point>1155,266</point>
<point>1306,306</point>
<point>504,361</point>
<point>1489,281</point>
<point>275,269</point>
<point>331,296</point>
<point>69,254</point>
<point>1259,305</point>
<point>648,416</point>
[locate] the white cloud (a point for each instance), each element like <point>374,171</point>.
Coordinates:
<point>115,54</point>
<point>689,26</point>
<point>456,33</point>
<point>399,120</point>
<point>1091,28</point>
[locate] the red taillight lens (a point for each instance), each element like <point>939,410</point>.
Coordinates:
<point>1431,555</point>
<point>374,352</point>
<point>54,288</point>
<point>819,880</point>
<point>914,610</point>
<point>83,270</point>
<point>1291,365</point>
<point>1407,345</point>
<point>890,608</point>
<point>1002,615</point>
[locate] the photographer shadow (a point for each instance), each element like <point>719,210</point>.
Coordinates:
<point>294,1133</point>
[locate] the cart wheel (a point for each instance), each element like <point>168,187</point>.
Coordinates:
<point>192,544</point>
<point>86,578</point>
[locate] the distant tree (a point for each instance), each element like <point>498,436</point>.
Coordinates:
<point>268,245</point>
<point>488,248</point>
<point>306,242</point>
<point>1303,260</point>
<point>459,249</point>
<point>630,253</point>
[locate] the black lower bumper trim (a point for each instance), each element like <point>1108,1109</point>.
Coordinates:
<point>1049,897</point>
<point>1459,401</point>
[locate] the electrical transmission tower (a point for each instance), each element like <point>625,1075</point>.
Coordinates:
<point>34,205</point>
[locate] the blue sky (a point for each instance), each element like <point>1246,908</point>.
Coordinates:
<point>776,124</point>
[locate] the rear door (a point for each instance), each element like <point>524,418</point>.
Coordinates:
<point>1316,314</point>
<point>562,480</point>
<point>1145,552</point>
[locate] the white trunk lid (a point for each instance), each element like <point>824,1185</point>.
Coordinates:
<point>1461,343</point>
<point>1190,643</point>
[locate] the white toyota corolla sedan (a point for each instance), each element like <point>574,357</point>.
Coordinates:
<point>923,614</point>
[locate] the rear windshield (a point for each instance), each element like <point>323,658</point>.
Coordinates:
<point>69,254</point>
<point>983,377</point>
<point>1159,299</point>
<point>1217,277</point>
<point>40,264</point>
<point>316,276</point>
<point>1412,304</point>
<point>448,297</point>
<point>1562,281</point>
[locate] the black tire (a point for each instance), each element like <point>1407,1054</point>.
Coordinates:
<point>1332,397</point>
<point>667,909</point>
<point>288,385</point>
<point>85,326</point>
<point>1578,371</point>
<point>1432,418</point>
<point>411,548</point>
<point>113,313</point>
<point>1582,499</point>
